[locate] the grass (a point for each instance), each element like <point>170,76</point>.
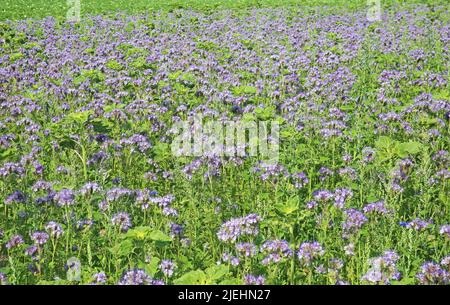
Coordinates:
<point>22,9</point>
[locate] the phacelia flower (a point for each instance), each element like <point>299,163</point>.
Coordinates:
<point>276,251</point>
<point>65,197</point>
<point>246,249</point>
<point>39,238</point>
<point>14,241</point>
<point>122,220</point>
<point>234,228</point>
<point>309,251</point>
<point>432,274</point>
<point>250,279</point>
<point>383,269</point>
<point>167,267</point>
<point>354,220</point>
<point>54,228</point>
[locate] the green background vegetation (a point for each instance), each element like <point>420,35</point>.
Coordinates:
<point>22,9</point>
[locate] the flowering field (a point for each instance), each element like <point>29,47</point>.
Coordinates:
<point>91,193</point>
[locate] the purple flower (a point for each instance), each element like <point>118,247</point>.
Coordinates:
<point>176,230</point>
<point>418,224</point>
<point>432,274</point>
<point>250,279</point>
<point>445,230</point>
<point>122,220</point>
<point>84,224</point>
<point>276,251</point>
<point>354,220</point>
<point>312,204</point>
<point>90,188</point>
<point>299,179</point>
<point>65,197</point>
<point>116,193</point>
<point>54,229</point>
<point>39,238</point>
<point>99,278</point>
<point>247,249</point>
<point>234,228</point>
<point>3,279</point>
<point>341,196</point>
<point>445,262</point>
<point>167,267</point>
<point>383,269</point>
<point>368,154</point>
<point>323,195</point>
<point>15,241</point>
<point>234,261</point>
<point>16,197</point>
<point>136,277</point>
<point>309,251</point>
<point>375,208</point>
<point>31,250</point>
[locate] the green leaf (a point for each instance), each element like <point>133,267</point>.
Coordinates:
<point>411,147</point>
<point>231,282</point>
<point>196,277</point>
<point>289,207</point>
<point>139,233</point>
<point>384,142</point>
<point>162,151</point>
<point>157,235</point>
<point>265,113</point>
<point>124,248</point>
<point>79,117</point>
<point>216,272</point>
<point>404,281</point>
<point>247,90</point>
<point>152,267</point>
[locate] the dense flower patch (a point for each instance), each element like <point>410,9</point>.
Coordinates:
<point>89,187</point>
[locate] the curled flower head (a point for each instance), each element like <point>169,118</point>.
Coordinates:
<point>167,267</point>
<point>445,230</point>
<point>54,228</point>
<point>122,220</point>
<point>99,278</point>
<point>309,251</point>
<point>250,279</point>
<point>14,241</point>
<point>39,238</point>
<point>138,277</point>
<point>383,269</point>
<point>354,220</point>
<point>65,197</point>
<point>234,228</point>
<point>246,249</point>
<point>432,274</point>
<point>276,251</point>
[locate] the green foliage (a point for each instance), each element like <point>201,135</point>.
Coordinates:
<point>388,148</point>
<point>212,275</point>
